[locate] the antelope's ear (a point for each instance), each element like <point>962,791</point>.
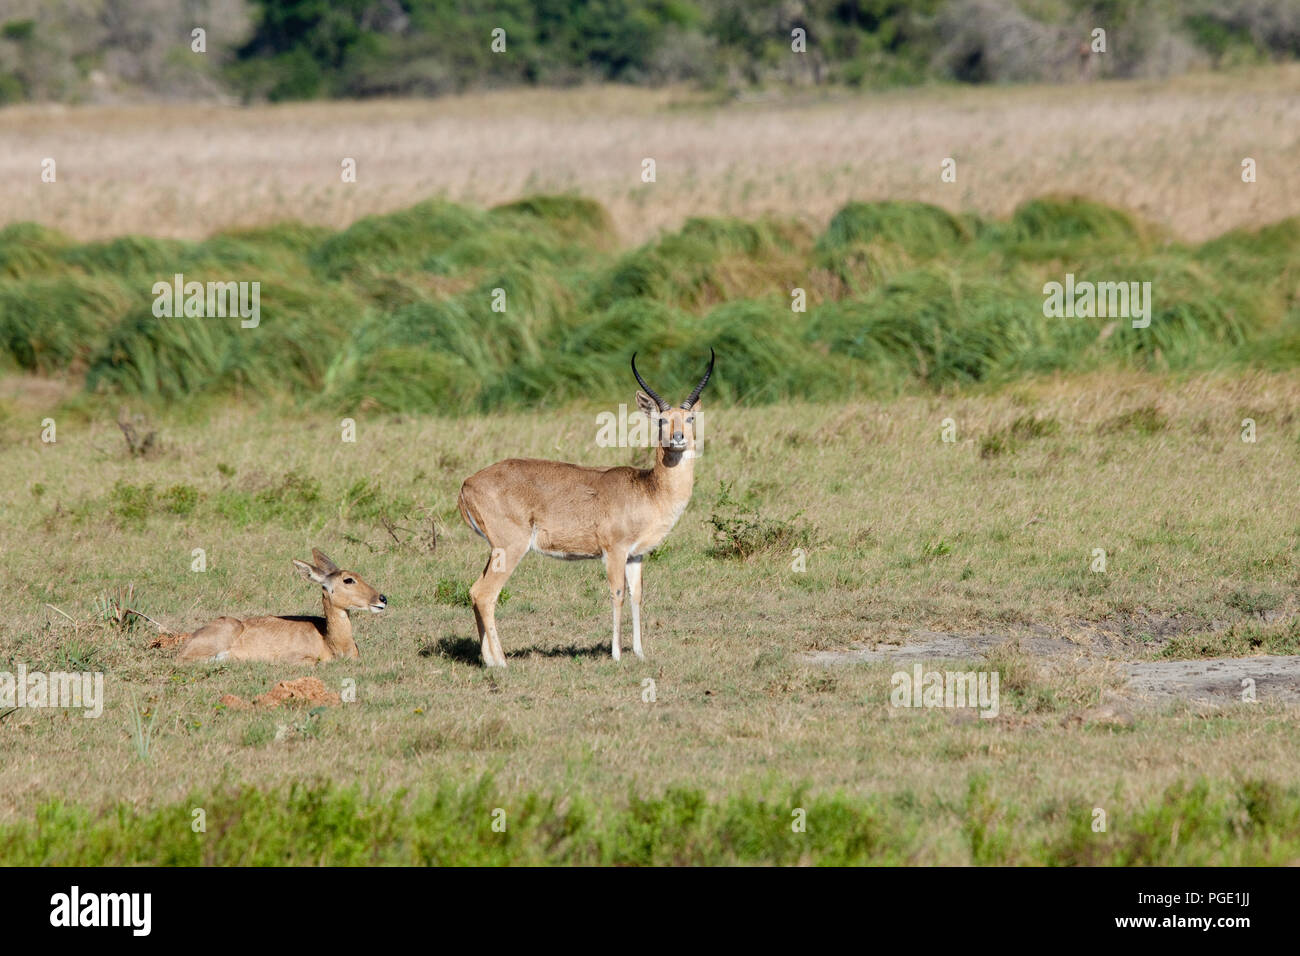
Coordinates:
<point>649,407</point>
<point>323,562</point>
<point>311,573</point>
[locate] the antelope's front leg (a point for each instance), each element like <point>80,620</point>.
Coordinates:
<point>615,570</point>
<point>633,573</point>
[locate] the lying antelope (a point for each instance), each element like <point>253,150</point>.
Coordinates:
<point>292,639</point>
<point>572,512</point>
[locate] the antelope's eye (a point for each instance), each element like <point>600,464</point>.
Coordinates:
<point>349,581</point>
<point>663,421</point>
<point>690,420</point>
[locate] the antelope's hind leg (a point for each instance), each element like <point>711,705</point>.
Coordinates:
<point>212,641</point>
<point>500,565</point>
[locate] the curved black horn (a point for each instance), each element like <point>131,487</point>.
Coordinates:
<point>704,381</point>
<point>663,406</point>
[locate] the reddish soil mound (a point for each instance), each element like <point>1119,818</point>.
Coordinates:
<point>309,690</point>
<point>304,690</point>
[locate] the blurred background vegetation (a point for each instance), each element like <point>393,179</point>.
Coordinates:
<point>395,313</point>
<point>106,50</point>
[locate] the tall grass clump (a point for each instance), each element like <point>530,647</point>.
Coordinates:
<point>50,325</point>
<point>1069,228</point>
<point>867,244</point>
<point>573,218</point>
<point>27,249</point>
<point>921,230</point>
<point>709,260</point>
<point>399,241</point>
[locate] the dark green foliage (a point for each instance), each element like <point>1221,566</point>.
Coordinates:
<point>309,49</point>
<point>303,49</point>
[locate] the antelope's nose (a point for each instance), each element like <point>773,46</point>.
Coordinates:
<point>382,599</point>
<point>678,436</point>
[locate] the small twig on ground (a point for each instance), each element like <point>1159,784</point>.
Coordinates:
<point>388,526</point>
<point>64,613</point>
<point>162,627</point>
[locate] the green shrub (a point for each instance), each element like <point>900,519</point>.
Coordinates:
<point>131,504</point>
<point>741,531</point>
<point>180,499</point>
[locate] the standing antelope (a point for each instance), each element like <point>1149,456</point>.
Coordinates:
<point>573,512</point>
<point>292,639</point>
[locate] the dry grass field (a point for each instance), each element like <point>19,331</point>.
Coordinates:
<point>1171,152</point>
<point>905,534</point>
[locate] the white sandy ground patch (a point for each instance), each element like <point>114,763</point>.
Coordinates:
<point>1214,680</point>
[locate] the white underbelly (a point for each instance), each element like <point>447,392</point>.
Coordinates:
<point>565,555</point>
<point>561,555</point>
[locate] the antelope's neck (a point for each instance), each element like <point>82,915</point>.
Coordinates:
<point>674,473</point>
<point>338,630</point>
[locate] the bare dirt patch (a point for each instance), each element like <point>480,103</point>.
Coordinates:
<point>1216,680</point>
<point>942,645</point>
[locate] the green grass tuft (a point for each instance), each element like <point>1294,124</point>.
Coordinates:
<point>1251,822</point>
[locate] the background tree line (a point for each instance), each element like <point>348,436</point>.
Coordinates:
<point>96,50</point>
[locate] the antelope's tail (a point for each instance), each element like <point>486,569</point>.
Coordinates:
<point>468,515</point>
